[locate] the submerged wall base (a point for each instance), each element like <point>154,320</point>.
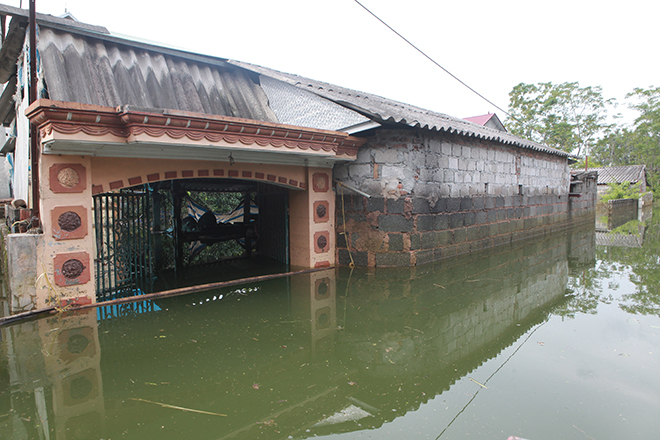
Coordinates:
<point>410,231</point>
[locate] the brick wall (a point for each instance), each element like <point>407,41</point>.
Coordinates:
<point>437,195</point>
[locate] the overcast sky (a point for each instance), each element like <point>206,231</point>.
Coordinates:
<point>490,45</point>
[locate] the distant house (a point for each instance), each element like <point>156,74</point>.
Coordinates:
<point>488,120</point>
<point>628,173</point>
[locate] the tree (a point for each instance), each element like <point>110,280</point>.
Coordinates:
<point>647,130</point>
<point>563,116</point>
<point>616,148</point>
<point>623,190</point>
<point>639,144</point>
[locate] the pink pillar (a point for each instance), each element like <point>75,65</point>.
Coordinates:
<point>67,258</point>
<point>312,222</point>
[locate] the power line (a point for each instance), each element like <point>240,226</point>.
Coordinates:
<point>489,378</point>
<point>435,62</point>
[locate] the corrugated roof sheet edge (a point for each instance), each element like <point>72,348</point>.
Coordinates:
<point>127,41</point>
<point>51,20</point>
<point>452,125</point>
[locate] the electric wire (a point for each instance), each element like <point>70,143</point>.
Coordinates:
<point>490,377</point>
<point>344,232</point>
<point>436,63</point>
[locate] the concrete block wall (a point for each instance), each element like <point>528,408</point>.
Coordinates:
<point>432,165</point>
<point>22,270</point>
<point>615,213</point>
<point>435,196</point>
<point>584,202</point>
<point>384,232</point>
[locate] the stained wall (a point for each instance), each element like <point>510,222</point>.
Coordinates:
<point>435,196</point>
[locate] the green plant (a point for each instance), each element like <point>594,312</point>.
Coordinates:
<point>622,191</point>
<point>630,228</point>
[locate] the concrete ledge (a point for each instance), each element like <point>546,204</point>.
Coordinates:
<point>22,270</point>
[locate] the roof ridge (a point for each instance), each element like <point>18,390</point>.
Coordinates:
<point>368,104</point>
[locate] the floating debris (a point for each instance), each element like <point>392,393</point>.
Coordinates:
<point>351,413</point>
<point>180,408</point>
<point>479,383</point>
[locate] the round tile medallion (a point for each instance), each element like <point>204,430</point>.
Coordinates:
<point>68,177</point>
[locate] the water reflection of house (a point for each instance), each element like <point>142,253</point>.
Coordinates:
<point>620,240</point>
<point>321,354</point>
<point>55,384</point>
<point>623,230</point>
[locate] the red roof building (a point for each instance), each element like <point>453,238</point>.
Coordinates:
<point>488,120</point>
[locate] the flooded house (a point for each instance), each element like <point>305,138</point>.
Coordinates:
<point>132,157</point>
<point>633,174</point>
<point>613,213</point>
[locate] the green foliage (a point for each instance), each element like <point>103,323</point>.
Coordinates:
<point>616,148</point>
<point>574,119</point>
<point>622,191</point>
<point>218,202</point>
<point>563,116</point>
<point>630,228</point>
<point>647,131</point>
<point>643,265</point>
<point>640,143</point>
<point>591,162</point>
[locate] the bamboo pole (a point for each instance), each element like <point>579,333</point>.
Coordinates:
<point>158,295</point>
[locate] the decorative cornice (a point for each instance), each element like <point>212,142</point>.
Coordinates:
<point>122,122</point>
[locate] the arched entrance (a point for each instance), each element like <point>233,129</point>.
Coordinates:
<point>173,233</point>
<point>127,161</point>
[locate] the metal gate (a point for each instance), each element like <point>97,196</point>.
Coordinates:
<point>124,244</point>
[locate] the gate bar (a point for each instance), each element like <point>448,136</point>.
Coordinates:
<point>157,295</point>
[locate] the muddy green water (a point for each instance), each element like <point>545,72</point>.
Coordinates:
<point>554,338</point>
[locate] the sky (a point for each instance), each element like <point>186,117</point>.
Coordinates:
<point>490,45</point>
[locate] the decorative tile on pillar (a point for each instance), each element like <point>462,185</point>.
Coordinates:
<point>69,222</point>
<point>68,178</point>
<point>80,387</point>
<point>321,211</point>
<point>71,268</point>
<point>322,318</point>
<point>76,343</point>
<point>322,242</point>
<point>320,182</point>
<point>322,289</point>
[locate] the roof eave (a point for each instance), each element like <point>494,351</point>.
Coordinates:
<point>62,122</point>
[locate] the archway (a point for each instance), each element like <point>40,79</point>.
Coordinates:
<point>174,233</point>
<point>88,151</point>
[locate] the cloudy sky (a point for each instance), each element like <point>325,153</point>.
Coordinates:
<point>490,45</point>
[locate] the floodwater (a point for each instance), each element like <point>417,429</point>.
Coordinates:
<point>554,338</point>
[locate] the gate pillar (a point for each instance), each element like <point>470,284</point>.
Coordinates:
<point>312,221</point>
<point>67,256</point>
